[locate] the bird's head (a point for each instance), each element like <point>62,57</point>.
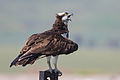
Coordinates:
<point>64,16</point>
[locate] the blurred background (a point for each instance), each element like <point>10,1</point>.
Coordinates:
<point>95,27</point>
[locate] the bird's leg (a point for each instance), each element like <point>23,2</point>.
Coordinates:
<point>55,65</point>
<point>49,63</point>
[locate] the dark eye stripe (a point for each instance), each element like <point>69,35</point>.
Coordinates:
<point>66,12</point>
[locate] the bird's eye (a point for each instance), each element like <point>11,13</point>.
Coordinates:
<point>66,13</point>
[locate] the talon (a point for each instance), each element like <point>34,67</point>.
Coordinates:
<point>59,72</point>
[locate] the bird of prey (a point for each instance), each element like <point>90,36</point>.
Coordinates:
<point>47,44</point>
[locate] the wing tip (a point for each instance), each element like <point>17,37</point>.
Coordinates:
<point>15,60</point>
<point>13,63</point>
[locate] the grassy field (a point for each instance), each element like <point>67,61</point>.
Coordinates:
<point>84,61</point>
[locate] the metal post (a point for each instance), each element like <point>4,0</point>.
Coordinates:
<point>44,75</point>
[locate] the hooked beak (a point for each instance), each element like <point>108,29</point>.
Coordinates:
<point>69,15</point>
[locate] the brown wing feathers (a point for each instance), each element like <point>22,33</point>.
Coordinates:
<point>54,45</point>
<point>37,46</point>
<point>64,45</point>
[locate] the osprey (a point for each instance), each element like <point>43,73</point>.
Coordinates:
<point>47,44</point>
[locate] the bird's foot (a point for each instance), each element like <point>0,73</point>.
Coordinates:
<point>58,71</point>
<point>55,71</point>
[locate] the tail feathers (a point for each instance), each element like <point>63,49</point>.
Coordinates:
<point>29,58</point>
<point>29,61</point>
<point>15,60</point>
<point>27,55</point>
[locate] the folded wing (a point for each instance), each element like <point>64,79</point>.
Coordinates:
<point>41,45</point>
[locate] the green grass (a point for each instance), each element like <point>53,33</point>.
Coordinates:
<point>93,61</point>
<point>84,61</point>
